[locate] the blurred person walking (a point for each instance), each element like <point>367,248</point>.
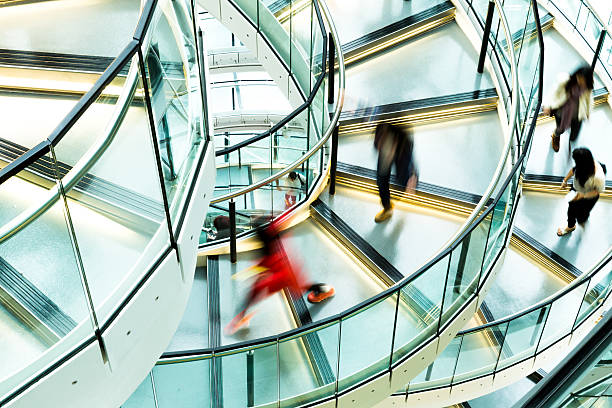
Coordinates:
<point>294,184</point>
<point>589,182</point>
<point>274,273</point>
<point>571,104</point>
<point>395,146</point>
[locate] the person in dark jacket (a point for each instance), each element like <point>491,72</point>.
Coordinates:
<point>571,103</point>
<point>395,146</point>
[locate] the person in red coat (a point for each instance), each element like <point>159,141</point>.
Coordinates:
<point>275,273</point>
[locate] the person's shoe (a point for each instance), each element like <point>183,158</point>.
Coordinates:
<point>564,231</point>
<point>237,323</point>
<point>384,214</point>
<point>555,142</point>
<point>321,296</point>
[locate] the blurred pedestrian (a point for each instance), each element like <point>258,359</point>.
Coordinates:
<point>294,183</point>
<point>571,104</point>
<point>274,273</point>
<point>395,146</point>
<point>589,182</point>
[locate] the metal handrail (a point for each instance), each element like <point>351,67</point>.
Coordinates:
<point>456,240</point>
<point>326,135</point>
<point>551,299</point>
<point>593,11</point>
<point>85,163</point>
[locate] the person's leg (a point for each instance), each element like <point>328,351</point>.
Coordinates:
<point>586,205</point>
<point>575,129</point>
<point>573,209</point>
<point>556,136</point>
<point>382,180</point>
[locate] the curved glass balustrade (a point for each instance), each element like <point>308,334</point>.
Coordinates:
<point>269,371</point>
<point>502,344</point>
<point>90,211</point>
<point>591,27</point>
<point>597,394</point>
<point>499,345</point>
<point>251,170</point>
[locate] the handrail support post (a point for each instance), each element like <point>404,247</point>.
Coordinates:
<point>250,372</point>
<point>334,161</point>
<point>485,37</point>
<point>331,61</point>
<point>232,216</point>
<point>602,37</point>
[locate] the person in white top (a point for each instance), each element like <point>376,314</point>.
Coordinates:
<point>571,103</point>
<point>589,182</point>
<point>294,183</point>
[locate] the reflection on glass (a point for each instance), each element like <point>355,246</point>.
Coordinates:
<point>173,79</point>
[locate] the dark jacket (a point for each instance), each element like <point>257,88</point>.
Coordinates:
<point>403,159</point>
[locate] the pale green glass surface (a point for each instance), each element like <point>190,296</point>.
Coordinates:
<point>300,383</point>
<point>374,328</point>
<point>265,375</point>
<point>119,215</point>
<point>301,43</point>
<point>419,310</point>
<point>184,385</point>
<point>598,289</point>
<point>90,127</point>
<point>317,56</point>
<point>440,372</point>
<point>40,260</point>
<point>143,397</point>
<point>479,353</point>
<point>500,219</point>
<point>172,76</point>
<point>275,33</point>
<point>250,8</point>
<point>464,271</point>
<point>562,315</point>
<point>522,337</point>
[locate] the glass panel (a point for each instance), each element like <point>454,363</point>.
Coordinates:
<point>117,210</point>
<point>364,355</point>
<point>440,372</point>
<point>184,384</point>
<point>249,7</point>
<point>275,33</point>
<point>309,364</point>
<point>249,377</point>
<point>479,353</point>
<point>499,222</point>
<point>44,309</point>
<point>143,397</point>
<point>590,27</point>
<point>522,337</point>
<point>562,316</point>
<point>464,272</point>
<point>292,141</point>
<point>301,43</point>
<point>606,54</point>
<point>419,311</point>
<point>90,127</point>
<point>599,287</point>
<point>318,39</point>
<point>176,100</point>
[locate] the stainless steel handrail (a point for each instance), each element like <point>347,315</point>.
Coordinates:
<point>503,160</point>
<point>326,135</point>
<point>84,164</point>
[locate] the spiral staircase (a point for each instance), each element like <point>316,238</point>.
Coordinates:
<point>464,291</point>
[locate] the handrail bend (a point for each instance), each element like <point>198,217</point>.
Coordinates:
<point>330,129</point>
